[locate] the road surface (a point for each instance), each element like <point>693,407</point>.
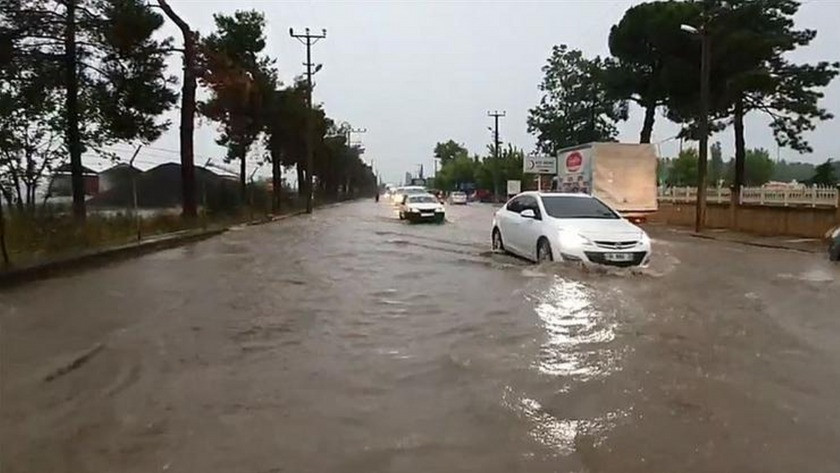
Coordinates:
<point>349,341</point>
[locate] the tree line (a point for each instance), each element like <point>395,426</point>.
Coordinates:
<point>79,75</point>
<point>759,169</point>
<point>459,170</point>
<point>656,65</point>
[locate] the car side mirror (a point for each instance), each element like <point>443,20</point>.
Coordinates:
<point>528,213</point>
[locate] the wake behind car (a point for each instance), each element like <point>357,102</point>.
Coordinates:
<point>568,227</point>
<point>458,198</point>
<point>421,207</point>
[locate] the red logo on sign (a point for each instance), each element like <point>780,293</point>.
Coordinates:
<point>574,161</point>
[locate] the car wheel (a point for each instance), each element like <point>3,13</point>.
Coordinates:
<point>402,216</point>
<point>834,252</point>
<point>498,244</point>
<point>544,251</point>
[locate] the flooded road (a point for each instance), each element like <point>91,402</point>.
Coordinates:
<point>349,341</point>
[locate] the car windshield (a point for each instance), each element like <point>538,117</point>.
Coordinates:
<point>559,206</point>
<point>421,199</point>
<point>414,191</point>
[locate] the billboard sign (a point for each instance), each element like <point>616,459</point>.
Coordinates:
<point>539,165</point>
<point>514,187</point>
<point>575,173</point>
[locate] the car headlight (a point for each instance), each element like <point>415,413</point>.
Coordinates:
<point>573,239</point>
<point>439,209</point>
<point>644,240</point>
<point>412,210</point>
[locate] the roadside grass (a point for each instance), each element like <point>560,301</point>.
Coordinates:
<point>49,232</point>
<point>36,237</point>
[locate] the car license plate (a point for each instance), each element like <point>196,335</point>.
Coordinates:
<point>429,214</point>
<point>618,257</point>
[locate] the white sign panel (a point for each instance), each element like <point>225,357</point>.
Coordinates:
<point>575,173</point>
<point>539,165</point>
<point>514,187</point>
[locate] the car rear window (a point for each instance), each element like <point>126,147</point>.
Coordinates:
<point>576,207</point>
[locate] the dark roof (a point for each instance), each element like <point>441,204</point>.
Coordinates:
<point>160,187</point>
<point>65,169</point>
<point>120,169</point>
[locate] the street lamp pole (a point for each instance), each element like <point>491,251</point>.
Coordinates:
<point>703,123</point>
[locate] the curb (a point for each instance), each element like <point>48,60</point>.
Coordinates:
<point>755,243</point>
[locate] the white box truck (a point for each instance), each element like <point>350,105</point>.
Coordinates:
<point>623,175</point>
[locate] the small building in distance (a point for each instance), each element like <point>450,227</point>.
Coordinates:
<point>61,182</point>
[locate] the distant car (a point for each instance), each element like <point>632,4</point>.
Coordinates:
<point>400,192</point>
<point>834,245</point>
<point>458,198</point>
<point>568,227</point>
<point>421,207</point>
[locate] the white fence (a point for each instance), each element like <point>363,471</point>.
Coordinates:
<point>787,197</point>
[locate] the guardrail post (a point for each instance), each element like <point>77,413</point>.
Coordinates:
<point>813,196</point>
<point>761,196</point>
<point>785,196</point>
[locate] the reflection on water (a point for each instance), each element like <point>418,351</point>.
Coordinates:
<point>561,435</point>
<point>576,332</point>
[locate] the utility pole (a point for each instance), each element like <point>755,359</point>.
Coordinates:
<point>308,39</point>
<point>496,114</point>
<point>702,122</point>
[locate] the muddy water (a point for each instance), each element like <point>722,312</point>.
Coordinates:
<point>351,341</point>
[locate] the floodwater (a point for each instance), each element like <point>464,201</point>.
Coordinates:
<point>349,341</point>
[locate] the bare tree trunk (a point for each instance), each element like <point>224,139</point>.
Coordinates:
<point>740,146</point>
<point>3,237</point>
<point>73,137</point>
<point>647,127</point>
<point>276,181</point>
<point>301,180</point>
<point>18,195</point>
<point>243,186</point>
<point>188,187</point>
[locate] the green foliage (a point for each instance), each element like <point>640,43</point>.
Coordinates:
<point>750,70</point>
<point>448,151</point>
<point>489,173</point>
<point>120,78</point>
<point>794,171</point>
<point>683,169</point>
<point>457,171</point>
<point>576,106</point>
<point>759,167</point>
<point>825,174</point>
<point>644,45</point>
<point>240,80</point>
<point>716,166</point>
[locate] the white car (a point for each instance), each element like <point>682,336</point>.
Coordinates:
<point>401,192</point>
<point>568,227</point>
<point>421,207</point>
<point>458,198</point>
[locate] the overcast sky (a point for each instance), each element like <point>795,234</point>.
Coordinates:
<point>417,73</point>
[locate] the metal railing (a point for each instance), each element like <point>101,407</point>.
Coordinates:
<point>785,197</point>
